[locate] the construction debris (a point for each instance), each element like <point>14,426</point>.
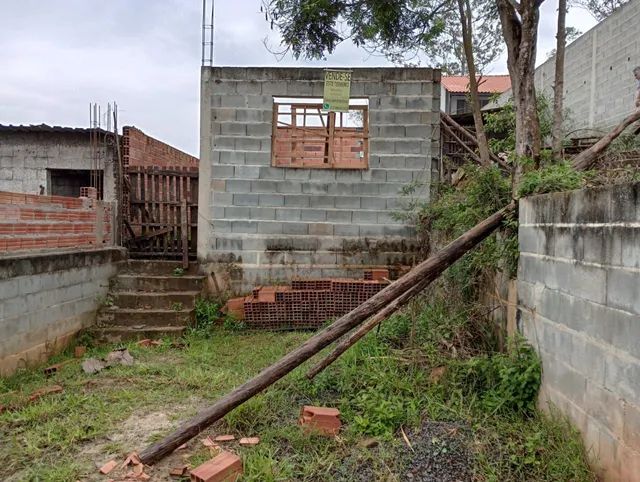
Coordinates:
<point>45,391</point>
<point>424,273</point>
<point>50,370</point>
<point>225,467</point>
<point>108,467</point>
<point>179,471</point>
<point>224,438</point>
<point>116,357</point>
<point>249,441</point>
<point>323,420</point>
<point>132,459</point>
<point>149,342</point>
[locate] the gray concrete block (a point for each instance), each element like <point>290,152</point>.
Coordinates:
<point>315,215</point>
<point>271,173</point>
<point>346,230</point>
<point>267,214</point>
<point>295,228</point>
<point>288,214</point>
<point>234,101</point>
<point>234,212</point>
<point>258,158</point>
<point>228,244</point>
<point>322,201</point>
<point>297,174</point>
<point>347,202</point>
<point>322,175</point>
<point>247,172</point>
<point>270,227</point>
<point>247,200</point>
<point>262,186</point>
<point>293,200</point>
<point>314,187</point>
<point>238,186</point>
<point>223,172</point>
<point>623,289</point>
<point>248,143</point>
<point>287,187</point>
<point>244,227</point>
<point>261,129</point>
<point>232,129</point>
<point>253,115</point>
<point>349,176</point>
<point>321,229</point>
<point>339,216</point>
<point>230,157</point>
<point>272,200</point>
<point>365,217</point>
<point>367,202</point>
<point>399,176</point>
<point>251,87</point>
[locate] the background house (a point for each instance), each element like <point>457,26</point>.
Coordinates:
<point>455,91</point>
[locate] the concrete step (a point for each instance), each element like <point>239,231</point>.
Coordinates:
<point>154,300</point>
<point>140,318</point>
<point>157,267</point>
<point>163,283</point>
<point>116,333</point>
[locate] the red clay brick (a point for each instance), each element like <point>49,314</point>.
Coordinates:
<point>108,467</point>
<point>225,467</point>
<point>324,420</point>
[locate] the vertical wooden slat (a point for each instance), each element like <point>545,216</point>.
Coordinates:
<point>184,227</point>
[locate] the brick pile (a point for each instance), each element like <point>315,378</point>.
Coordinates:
<point>33,222</point>
<point>307,303</point>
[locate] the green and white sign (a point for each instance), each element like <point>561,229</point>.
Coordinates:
<point>337,90</point>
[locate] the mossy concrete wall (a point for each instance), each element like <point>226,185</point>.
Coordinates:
<point>579,305</point>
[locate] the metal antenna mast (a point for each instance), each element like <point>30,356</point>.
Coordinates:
<point>207,32</point>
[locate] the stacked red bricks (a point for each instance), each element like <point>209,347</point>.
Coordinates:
<point>33,222</point>
<point>307,303</point>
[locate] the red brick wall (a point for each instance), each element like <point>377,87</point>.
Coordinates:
<point>140,149</point>
<point>32,222</point>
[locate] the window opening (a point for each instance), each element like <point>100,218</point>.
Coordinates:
<point>306,136</point>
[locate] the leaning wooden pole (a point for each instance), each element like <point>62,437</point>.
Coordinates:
<point>424,273</point>
<point>586,158</point>
<point>366,327</point>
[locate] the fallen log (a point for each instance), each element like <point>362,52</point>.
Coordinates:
<point>366,327</point>
<point>424,273</point>
<point>586,158</point>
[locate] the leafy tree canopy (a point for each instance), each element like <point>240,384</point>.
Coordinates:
<point>402,30</point>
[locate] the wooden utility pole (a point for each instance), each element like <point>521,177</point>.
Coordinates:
<point>422,274</point>
<point>558,85</point>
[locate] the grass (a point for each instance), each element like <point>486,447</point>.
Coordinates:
<point>381,384</point>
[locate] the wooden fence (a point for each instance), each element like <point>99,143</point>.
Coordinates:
<point>163,212</point>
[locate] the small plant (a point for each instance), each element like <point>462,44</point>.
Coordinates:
<point>551,178</point>
<point>207,312</point>
<point>106,301</point>
<point>177,306</point>
<point>178,272</point>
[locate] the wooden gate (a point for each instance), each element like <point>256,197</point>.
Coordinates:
<point>161,221</point>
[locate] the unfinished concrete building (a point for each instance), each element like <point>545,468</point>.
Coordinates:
<point>54,160</point>
<point>287,189</point>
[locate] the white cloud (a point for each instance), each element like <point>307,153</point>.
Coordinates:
<point>59,55</point>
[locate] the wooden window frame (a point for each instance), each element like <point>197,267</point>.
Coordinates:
<point>306,141</point>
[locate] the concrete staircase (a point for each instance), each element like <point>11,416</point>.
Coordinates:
<point>149,299</point>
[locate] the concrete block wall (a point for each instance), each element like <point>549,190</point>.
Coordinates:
<point>142,150</point>
<point>259,224</point>
<point>599,82</point>
<point>45,299</point>
<point>579,304</point>
<point>26,155</point>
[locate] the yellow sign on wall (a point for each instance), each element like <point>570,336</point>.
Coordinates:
<point>337,90</point>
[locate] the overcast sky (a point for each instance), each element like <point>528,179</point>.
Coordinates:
<point>57,56</point>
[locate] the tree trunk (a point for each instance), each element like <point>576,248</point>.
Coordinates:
<point>558,86</point>
<point>520,32</point>
<point>425,272</point>
<point>466,21</point>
